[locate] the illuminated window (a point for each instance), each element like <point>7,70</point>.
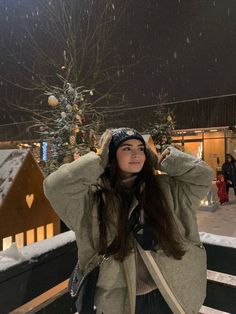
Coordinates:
<point>40,233</point>
<point>19,238</point>
<point>49,230</point>
<point>6,243</point>
<point>30,236</point>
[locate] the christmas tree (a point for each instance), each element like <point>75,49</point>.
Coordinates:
<point>70,126</point>
<point>161,130</point>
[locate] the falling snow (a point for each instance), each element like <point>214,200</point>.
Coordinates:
<point>152,37</point>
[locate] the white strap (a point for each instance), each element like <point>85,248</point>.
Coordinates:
<point>147,257</point>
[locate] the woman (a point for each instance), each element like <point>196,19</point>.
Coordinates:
<point>229,172</point>
<point>158,264</point>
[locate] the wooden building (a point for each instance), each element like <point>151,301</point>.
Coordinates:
<point>206,127</point>
<point>209,144</point>
<point>26,216</point>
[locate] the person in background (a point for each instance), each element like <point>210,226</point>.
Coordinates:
<point>221,189</point>
<point>229,172</point>
<point>158,263</point>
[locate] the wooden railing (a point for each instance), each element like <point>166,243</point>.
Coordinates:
<point>40,286</point>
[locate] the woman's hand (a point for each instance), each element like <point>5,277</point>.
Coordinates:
<point>162,152</point>
<point>104,147</point>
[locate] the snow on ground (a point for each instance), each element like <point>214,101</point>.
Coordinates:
<point>13,255</point>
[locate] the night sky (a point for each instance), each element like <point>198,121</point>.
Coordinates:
<point>184,49</point>
<point>190,48</point>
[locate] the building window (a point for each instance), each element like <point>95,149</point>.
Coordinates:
<point>30,236</point>
<point>6,243</point>
<point>40,233</point>
<point>19,238</point>
<point>49,230</point>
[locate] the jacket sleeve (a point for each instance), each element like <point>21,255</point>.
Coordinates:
<point>224,171</point>
<point>69,188</point>
<point>193,176</point>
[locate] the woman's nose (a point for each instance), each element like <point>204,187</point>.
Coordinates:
<point>135,153</point>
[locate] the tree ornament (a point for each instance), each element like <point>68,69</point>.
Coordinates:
<point>63,114</point>
<point>169,118</point>
<point>76,129</point>
<point>72,140</point>
<point>53,101</point>
<point>78,118</point>
<point>75,108</point>
<point>42,128</point>
<point>69,108</point>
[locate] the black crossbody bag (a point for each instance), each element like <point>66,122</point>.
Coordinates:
<point>82,286</point>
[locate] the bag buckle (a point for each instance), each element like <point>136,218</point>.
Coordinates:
<point>104,258</point>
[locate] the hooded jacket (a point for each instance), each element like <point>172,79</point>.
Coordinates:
<point>71,191</point>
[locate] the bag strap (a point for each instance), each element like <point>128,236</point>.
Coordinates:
<point>158,278</point>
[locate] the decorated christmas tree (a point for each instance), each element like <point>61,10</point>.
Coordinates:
<point>161,130</point>
<point>69,129</point>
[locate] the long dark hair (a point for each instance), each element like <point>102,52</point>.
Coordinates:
<point>158,215</point>
<point>229,155</point>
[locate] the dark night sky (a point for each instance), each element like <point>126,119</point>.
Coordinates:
<point>190,48</point>
<point>185,48</point>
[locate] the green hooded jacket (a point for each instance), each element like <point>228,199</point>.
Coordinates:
<point>71,191</point>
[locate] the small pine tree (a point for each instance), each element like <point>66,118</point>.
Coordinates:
<point>161,130</point>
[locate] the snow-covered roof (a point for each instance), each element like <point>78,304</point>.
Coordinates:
<point>10,163</point>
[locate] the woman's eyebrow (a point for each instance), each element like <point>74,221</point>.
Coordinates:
<point>140,145</point>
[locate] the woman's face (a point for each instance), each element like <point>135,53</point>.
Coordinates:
<point>228,157</point>
<point>130,157</point>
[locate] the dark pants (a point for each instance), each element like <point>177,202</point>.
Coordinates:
<point>152,303</point>
<point>230,186</point>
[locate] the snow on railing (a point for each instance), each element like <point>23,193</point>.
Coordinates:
<point>13,255</point>
<point>219,240</point>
